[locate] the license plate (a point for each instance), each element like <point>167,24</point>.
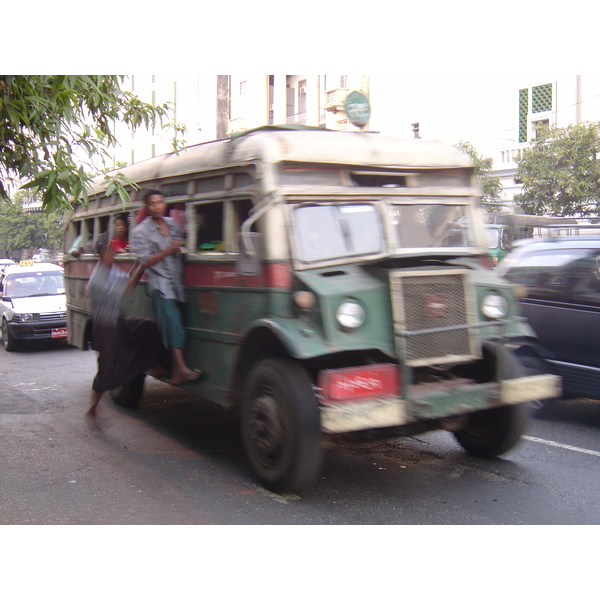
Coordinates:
<point>60,332</point>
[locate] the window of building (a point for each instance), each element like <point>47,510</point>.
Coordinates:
<point>539,127</point>
<point>523,114</point>
<point>242,87</point>
<point>541,98</point>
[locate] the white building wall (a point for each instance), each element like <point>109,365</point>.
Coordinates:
<point>396,103</point>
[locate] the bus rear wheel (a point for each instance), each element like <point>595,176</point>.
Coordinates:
<point>130,393</point>
<point>280,425</point>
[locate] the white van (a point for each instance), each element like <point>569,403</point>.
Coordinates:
<point>32,304</point>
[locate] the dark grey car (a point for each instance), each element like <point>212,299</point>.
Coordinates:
<point>562,304</point>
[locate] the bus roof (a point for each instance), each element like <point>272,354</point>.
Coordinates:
<point>274,144</point>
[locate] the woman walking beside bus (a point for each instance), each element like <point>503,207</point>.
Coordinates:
<point>157,243</point>
<point>127,346</point>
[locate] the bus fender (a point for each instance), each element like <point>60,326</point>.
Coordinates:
<point>269,338</point>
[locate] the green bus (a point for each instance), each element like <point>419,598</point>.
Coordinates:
<point>336,285</point>
<point>503,229</point>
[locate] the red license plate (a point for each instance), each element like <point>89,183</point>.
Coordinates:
<point>60,332</point>
<point>359,383</point>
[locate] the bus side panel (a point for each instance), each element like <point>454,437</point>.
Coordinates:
<point>77,274</point>
<point>219,305</point>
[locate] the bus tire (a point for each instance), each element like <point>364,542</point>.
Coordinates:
<point>130,393</point>
<point>280,425</point>
<point>494,431</point>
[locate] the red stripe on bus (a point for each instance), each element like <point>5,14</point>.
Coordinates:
<point>273,275</point>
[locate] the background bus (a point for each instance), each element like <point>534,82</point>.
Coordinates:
<point>505,229</point>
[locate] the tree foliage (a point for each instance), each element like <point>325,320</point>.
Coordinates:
<point>20,230</point>
<point>491,185</point>
<point>54,127</point>
<point>560,173</point>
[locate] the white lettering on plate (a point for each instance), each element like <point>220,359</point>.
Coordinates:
<point>360,383</point>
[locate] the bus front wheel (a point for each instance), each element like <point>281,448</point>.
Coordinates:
<point>281,426</point>
<point>495,431</point>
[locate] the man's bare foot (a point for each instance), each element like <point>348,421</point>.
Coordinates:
<point>187,376</point>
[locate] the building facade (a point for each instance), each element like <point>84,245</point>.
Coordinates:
<point>216,106</point>
<point>538,105</point>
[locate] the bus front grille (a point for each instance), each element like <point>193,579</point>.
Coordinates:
<point>433,317</point>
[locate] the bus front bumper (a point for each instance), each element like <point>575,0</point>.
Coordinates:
<point>434,401</point>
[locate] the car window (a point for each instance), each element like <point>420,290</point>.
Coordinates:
<point>27,285</point>
<point>562,274</point>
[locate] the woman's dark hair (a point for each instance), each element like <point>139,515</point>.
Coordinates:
<point>151,191</point>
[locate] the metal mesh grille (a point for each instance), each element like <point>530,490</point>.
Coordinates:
<point>436,301</point>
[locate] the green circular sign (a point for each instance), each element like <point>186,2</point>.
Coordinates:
<point>357,109</point>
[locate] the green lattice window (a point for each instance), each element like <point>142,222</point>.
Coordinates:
<point>523,114</point>
<point>541,98</point>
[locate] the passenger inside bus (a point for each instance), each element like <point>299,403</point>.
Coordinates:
<point>81,245</point>
<point>120,243</point>
<point>412,230</point>
<point>444,226</point>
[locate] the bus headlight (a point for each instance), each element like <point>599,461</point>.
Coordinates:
<point>350,315</point>
<point>494,306</point>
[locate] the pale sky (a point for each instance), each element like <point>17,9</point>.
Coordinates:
<point>455,67</point>
<point>450,65</point>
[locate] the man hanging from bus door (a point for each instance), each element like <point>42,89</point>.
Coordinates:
<point>157,242</point>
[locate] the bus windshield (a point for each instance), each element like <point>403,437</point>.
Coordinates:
<point>432,226</point>
<point>330,231</point>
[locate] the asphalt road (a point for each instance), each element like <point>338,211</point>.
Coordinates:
<point>179,461</point>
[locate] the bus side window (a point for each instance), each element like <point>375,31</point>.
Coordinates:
<point>240,212</point>
<point>82,242</point>
<point>209,223</point>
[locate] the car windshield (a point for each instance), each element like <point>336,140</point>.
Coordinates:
<point>431,226</point>
<point>331,231</point>
<point>563,273</point>
<point>26,285</point>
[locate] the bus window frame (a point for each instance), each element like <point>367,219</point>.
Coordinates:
<point>230,226</point>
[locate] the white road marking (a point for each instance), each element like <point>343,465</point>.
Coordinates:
<point>564,446</point>
<point>283,498</point>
